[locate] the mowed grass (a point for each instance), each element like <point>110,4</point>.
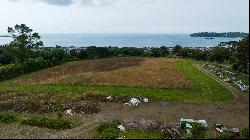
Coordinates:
<point>203,89</point>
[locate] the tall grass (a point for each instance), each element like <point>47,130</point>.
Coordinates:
<point>204,88</point>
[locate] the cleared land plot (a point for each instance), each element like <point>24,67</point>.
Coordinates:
<point>120,72</point>
<point>202,89</point>
<point>203,99</point>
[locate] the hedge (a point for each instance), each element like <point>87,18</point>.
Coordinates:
<point>31,65</point>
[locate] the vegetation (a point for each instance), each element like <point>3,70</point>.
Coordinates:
<point>6,117</point>
<point>204,89</point>
<point>141,134</point>
<point>232,53</point>
<point>245,132</point>
<point>214,34</point>
<point>198,131</point>
<point>47,122</point>
<point>108,130</point>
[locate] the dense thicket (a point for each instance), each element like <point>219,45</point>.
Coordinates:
<point>26,53</point>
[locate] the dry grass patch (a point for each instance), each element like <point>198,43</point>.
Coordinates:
<point>121,72</point>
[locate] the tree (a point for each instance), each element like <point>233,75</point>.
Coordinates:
<point>164,50</point>
<point>177,50</point>
<point>156,52</point>
<point>24,42</point>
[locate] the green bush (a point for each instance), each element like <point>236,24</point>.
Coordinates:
<point>47,122</point>
<point>198,131</point>
<point>244,133</point>
<point>30,65</point>
<point>6,117</point>
<point>108,130</point>
<point>109,133</point>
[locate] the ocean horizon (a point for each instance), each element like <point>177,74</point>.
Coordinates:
<point>138,40</point>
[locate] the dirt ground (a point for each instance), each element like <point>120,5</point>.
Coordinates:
<point>231,114</point>
<point>127,72</point>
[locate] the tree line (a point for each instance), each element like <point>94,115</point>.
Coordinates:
<point>26,53</point>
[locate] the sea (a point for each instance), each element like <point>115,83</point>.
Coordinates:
<point>126,40</point>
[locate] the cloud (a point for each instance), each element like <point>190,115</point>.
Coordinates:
<point>59,2</point>
<point>86,2</point>
<point>97,2</point>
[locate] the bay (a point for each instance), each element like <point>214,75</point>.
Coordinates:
<point>126,40</point>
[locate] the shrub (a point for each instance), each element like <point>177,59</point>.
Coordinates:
<point>109,133</point>
<point>7,117</point>
<point>244,133</point>
<point>30,65</point>
<point>198,131</point>
<point>108,130</point>
<point>47,122</point>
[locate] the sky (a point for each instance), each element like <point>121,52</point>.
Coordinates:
<point>126,16</point>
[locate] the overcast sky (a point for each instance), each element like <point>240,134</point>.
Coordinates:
<point>126,16</point>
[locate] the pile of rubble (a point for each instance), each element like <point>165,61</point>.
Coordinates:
<point>171,130</point>
<point>219,130</point>
<point>228,76</point>
<point>136,102</point>
<point>176,131</point>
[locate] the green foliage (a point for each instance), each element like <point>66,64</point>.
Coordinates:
<point>177,50</point>
<point>141,134</point>
<point>6,117</point>
<point>108,130</point>
<point>198,131</point>
<point>31,65</point>
<point>60,114</point>
<point>244,133</point>
<point>47,122</point>
<point>24,40</point>
<point>109,133</point>
<point>233,52</point>
<point>226,136</point>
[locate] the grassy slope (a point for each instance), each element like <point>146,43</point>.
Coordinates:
<point>204,88</point>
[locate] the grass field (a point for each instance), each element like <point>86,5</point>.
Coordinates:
<point>157,78</point>
<point>119,72</point>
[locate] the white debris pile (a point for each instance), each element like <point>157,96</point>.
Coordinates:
<point>121,127</point>
<point>133,102</point>
<point>145,100</point>
<point>70,112</point>
<point>109,98</point>
<point>220,130</point>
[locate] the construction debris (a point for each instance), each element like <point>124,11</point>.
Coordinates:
<point>70,112</point>
<point>171,130</point>
<point>219,129</point>
<point>187,123</point>
<point>121,127</point>
<point>109,97</point>
<point>145,100</point>
<point>133,102</point>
